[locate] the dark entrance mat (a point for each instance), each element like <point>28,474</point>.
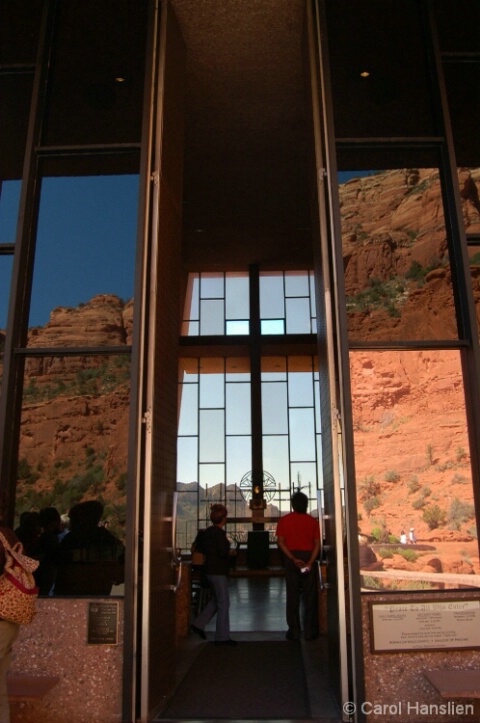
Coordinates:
<point>251,680</point>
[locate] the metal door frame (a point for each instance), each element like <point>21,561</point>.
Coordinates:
<point>341,521</point>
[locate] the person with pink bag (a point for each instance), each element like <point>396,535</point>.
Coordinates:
<point>18,594</point>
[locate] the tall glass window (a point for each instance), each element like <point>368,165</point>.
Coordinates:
<point>74,431</point>
<point>396,256</point>
<point>214,438</point>
<point>414,482</point>
<point>224,401</point>
<point>217,304</point>
<point>85,257</point>
<point>290,415</point>
<point>287,303</point>
<point>76,238</point>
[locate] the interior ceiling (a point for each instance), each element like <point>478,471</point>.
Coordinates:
<point>245,175</point>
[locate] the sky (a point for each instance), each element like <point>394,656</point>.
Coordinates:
<point>86,241</point>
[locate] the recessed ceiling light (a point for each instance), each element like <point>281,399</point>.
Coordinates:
<point>120,79</point>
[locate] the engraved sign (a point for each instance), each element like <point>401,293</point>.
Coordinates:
<point>428,625</point>
<point>102,623</point>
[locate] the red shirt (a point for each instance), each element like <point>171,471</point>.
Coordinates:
<point>300,531</point>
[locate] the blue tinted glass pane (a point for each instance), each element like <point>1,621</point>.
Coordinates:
<point>274,368</point>
<point>190,328</point>
<point>238,409</point>
<point>275,461</point>
<point>212,435</point>
<point>300,389</point>
<point>298,316</point>
<point>187,451</point>
<point>239,455</point>
<point>313,307</point>
<point>319,461</point>
<point>191,310</point>
<point>274,408</point>
<point>188,415</point>
<point>302,435</point>
<point>237,298</point>
<point>85,256</point>
<point>212,391</point>
<point>296,283</point>
<point>273,326</point>
<point>6,263</point>
<point>211,476</point>
<point>238,327</point>
<point>238,369</point>
<point>212,286</point>
<point>9,201</point>
<point>271,296</point>
<point>305,475</point>
<point>211,317</point>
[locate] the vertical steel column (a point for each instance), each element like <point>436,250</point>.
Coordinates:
<point>19,306</point>
<point>257,503</point>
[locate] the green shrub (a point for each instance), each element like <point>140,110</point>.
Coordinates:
<point>409,555</point>
<point>413,485</point>
<point>418,503</point>
<point>434,516</point>
<point>380,533</point>
<point>385,552</point>
<point>371,504</point>
<point>371,583</point>
<point>392,476</point>
<point>369,487</point>
<point>459,512</point>
<point>461,455</point>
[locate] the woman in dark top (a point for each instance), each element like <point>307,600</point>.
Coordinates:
<point>217,562</point>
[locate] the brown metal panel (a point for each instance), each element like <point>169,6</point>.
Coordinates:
<point>158,604</point>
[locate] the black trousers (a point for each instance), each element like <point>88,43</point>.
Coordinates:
<point>302,587</point>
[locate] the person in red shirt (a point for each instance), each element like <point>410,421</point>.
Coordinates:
<point>298,537</point>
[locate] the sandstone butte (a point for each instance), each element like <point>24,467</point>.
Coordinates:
<point>411,446</point>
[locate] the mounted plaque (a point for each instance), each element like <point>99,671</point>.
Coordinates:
<point>426,625</point>
<point>102,626</point>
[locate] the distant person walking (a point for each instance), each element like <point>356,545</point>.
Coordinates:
<point>412,536</point>
<point>298,537</point>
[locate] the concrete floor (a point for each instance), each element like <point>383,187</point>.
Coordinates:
<point>257,612</point>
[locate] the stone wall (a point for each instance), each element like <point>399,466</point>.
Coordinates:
<point>55,644</point>
<point>397,690</point>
